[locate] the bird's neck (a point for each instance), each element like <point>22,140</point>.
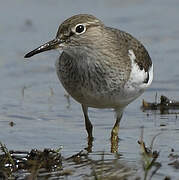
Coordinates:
<point>83,54</point>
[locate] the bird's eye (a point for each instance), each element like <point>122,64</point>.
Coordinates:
<point>80,28</point>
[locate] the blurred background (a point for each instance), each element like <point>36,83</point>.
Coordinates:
<point>45,116</point>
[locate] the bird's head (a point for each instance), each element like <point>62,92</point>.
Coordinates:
<point>81,30</point>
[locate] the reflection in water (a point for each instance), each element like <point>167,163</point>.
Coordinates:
<point>50,99</point>
<point>24,88</point>
<point>104,168</point>
<point>68,100</point>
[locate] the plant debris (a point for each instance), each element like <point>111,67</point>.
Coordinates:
<point>49,164</point>
<point>164,105</point>
<point>33,164</point>
<point>149,157</point>
<point>174,158</point>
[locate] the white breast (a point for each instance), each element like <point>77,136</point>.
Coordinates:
<point>136,82</point>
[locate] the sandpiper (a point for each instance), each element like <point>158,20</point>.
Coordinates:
<point>100,66</point>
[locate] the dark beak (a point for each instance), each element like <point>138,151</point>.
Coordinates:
<point>54,44</point>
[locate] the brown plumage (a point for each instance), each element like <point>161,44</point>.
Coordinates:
<point>100,67</point>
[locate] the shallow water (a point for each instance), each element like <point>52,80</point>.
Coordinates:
<point>32,97</point>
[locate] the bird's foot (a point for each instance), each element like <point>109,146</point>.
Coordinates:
<point>114,139</point>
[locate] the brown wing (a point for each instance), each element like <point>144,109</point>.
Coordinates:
<point>142,57</point>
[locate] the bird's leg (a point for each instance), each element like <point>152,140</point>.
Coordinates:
<point>89,126</point>
<point>114,132</point>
